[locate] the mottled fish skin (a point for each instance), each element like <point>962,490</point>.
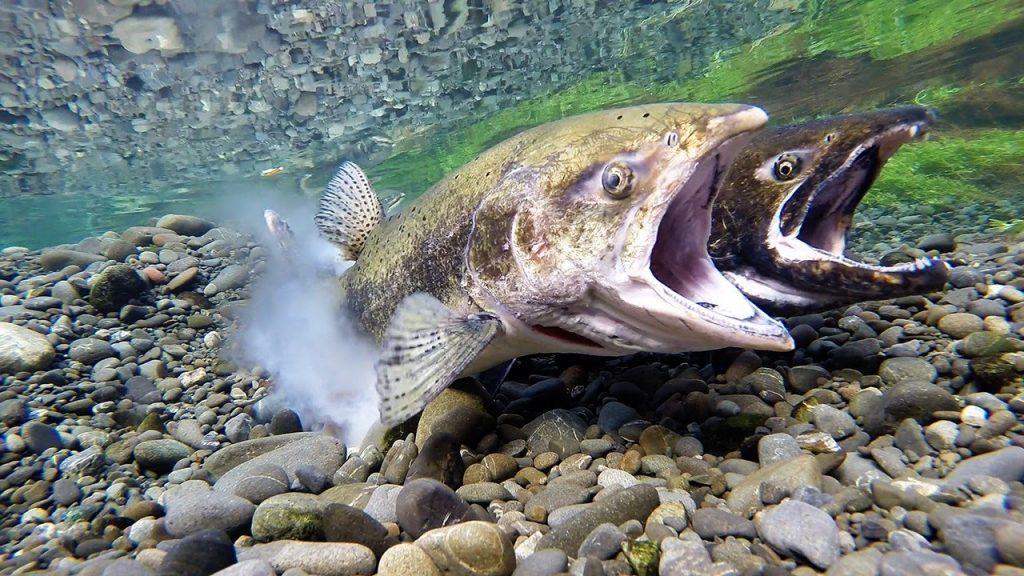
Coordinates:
<point>780,221</point>
<point>526,232</point>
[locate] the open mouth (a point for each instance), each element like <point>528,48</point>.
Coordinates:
<point>679,258</point>
<point>815,230</point>
<point>830,214</point>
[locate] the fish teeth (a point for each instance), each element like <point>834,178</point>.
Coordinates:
<point>917,265</point>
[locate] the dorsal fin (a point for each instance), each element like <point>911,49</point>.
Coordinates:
<point>349,210</point>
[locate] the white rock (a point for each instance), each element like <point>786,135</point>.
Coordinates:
<point>212,339</point>
<point>917,485</point>
<point>23,350</point>
<point>817,442</point>
<point>324,558</point>
<point>192,377</point>
<point>973,416</point>
<point>528,546</point>
<point>147,528</point>
<point>942,435</point>
<point>614,477</point>
<point>139,35</point>
<point>259,106</point>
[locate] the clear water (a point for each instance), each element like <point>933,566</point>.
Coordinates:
<point>138,145</point>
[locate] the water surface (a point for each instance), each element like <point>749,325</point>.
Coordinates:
<point>797,59</point>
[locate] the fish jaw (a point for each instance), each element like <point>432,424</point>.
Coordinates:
<point>657,289</point>
<point>794,261</point>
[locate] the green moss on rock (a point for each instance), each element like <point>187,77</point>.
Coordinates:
<point>116,286</point>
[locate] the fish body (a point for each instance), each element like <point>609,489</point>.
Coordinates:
<point>584,235</point>
<point>779,224</point>
<point>279,229</point>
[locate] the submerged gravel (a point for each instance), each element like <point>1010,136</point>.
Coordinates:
<point>889,442</point>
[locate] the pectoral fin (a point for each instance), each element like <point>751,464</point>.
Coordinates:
<point>349,210</point>
<point>425,347</point>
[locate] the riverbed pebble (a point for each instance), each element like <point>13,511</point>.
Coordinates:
<point>886,443</point>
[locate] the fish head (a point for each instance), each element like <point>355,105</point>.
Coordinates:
<point>780,223</point>
<point>606,241</point>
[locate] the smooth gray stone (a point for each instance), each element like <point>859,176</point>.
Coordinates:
<point>232,276</point>
<point>193,506</point>
<point>323,558</point>
<point>425,504</point>
<point>185,225</point>
<point>797,529</point>
<point>39,437</point>
<point>775,448</point>
<point>923,563</point>
<point>198,554</point>
<point>160,455</point>
<point>222,461</point>
<point>60,258</point>
<point>543,563</point>
<point>1006,464</point>
<point>633,503</point>
<point>90,350</point>
<point>970,536</point>
<point>711,523</point>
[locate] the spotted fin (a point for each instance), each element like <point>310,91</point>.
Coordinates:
<point>425,347</point>
<point>349,210</point>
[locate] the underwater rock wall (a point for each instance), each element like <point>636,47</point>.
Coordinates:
<point>105,95</point>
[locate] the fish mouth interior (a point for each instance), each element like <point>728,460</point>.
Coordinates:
<point>679,257</point>
<point>828,215</point>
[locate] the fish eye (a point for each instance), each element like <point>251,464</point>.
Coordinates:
<point>672,139</point>
<point>830,137</point>
<point>786,167</point>
<point>618,179</point>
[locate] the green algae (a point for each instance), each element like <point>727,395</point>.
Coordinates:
<point>1011,227</point>
<point>948,170</point>
<point>884,29</point>
<point>948,96</point>
<point>642,556</point>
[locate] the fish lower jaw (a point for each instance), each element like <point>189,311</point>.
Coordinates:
<point>797,282</point>
<point>793,251</point>
<point>649,316</point>
<point>777,295</point>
